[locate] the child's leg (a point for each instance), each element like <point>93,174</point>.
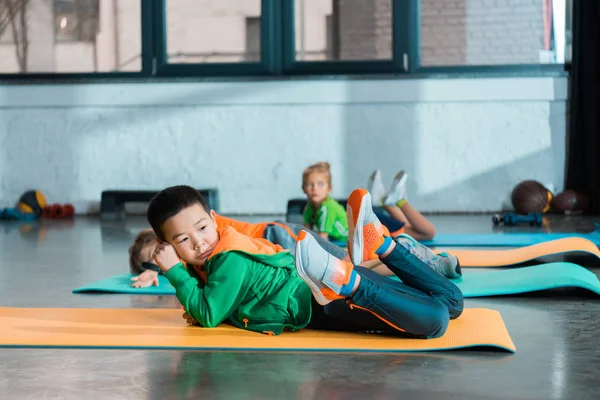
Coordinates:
<point>285,234</point>
<point>367,235</point>
<point>396,204</point>
<point>443,263</point>
<point>373,302</point>
<point>416,224</point>
<point>393,224</point>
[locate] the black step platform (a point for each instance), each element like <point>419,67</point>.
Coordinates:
<point>112,203</point>
<point>295,208</point>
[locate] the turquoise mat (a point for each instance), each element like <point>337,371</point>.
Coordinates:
<point>472,284</point>
<point>528,279</point>
<point>503,239</point>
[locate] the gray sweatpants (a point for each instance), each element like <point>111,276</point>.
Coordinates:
<point>278,235</point>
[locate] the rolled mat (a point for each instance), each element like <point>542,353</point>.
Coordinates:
<point>509,257</point>
<point>472,284</point>
<point>166,329</point>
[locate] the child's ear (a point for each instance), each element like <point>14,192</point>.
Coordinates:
<point>212,216</point>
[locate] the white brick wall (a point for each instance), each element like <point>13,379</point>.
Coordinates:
<point>365,29</point>
<point>456,32</point>
<point>481,32</point>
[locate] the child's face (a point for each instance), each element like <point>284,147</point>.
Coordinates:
<point>193,233</point>
<point>316,187</point>
<point>147,252</point>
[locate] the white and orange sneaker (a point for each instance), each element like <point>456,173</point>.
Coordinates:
<point>365,232</point>
<point>328,277</point>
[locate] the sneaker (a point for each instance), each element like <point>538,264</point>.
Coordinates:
<point>322,272</point>
<point>365,231</point>
<point>397,191</point>
<point>443,263</point>
<point>376,187</point>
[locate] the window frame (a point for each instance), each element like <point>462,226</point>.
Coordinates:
<point>278,54</point>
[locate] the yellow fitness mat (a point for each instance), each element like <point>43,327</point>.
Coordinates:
<point>504,258</point>
<point>166,329</point>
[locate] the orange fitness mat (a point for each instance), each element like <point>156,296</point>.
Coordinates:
<point>165,329</point>
<point>504,258</point>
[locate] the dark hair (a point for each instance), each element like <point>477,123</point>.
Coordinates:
<point>144,238</point>
<point>169,202</point>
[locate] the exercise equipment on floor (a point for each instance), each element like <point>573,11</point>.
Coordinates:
<point>511,257</point>
<point>531,197</point>
<point>165,329</point>
<point>506,239</point>
<point>511,218</point>
<point>58,211</point>
<point>570,202</point>
<point>112,202</point>
<point>29,207</point>
<point>480,284</point>
<point>529,279</point>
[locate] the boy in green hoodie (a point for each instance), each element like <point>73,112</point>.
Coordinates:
<point>257,285</point>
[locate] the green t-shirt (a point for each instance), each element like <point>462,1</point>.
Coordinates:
<point>329,218</point>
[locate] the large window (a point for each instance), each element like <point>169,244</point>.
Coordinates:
<point>212,31</point>
<point>356,30</point>
<point>492,32</point>
<point>182,38</point>
<point>70,36</point>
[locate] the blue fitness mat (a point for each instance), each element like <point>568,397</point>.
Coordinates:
<point>472,284</point>
<point>506,239</point>
<point>511,239</point>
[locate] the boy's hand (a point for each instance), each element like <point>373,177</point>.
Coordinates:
<point>165,256</point>
<point>145,279</point>
<point>189,320</point>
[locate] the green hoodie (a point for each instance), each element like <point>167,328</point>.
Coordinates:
<point>251,282</point>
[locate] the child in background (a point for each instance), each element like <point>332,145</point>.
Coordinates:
<point>322,213</point>
<point>401,217</point>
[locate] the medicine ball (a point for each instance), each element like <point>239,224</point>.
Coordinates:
<point>531,196</point>
<point>32,202</point>
<point>570,201</point>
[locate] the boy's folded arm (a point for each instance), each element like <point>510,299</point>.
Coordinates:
<point>220,297</point>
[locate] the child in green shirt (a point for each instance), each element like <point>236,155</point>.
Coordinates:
<point>322,213</point>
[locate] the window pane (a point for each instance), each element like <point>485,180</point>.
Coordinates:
<point>70,36</point>
<point>488,32</point>
<point>343,30</point>
<point>213,31</point>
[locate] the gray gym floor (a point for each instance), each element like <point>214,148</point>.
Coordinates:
<point>556,335</point>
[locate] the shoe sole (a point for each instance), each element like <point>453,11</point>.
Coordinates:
<point>357,237</point>
<point>401,177</point>
<point>371,181</point>
<point>321,299</point>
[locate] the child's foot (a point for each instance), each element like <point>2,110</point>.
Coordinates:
<point>397,192</point>
<point>366,234</point>
<point>329,278</point>
<point>442,263</point>
<point>376,187</point>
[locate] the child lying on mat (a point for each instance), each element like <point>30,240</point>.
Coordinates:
<point>259,286</point>
<point>328,217</point>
